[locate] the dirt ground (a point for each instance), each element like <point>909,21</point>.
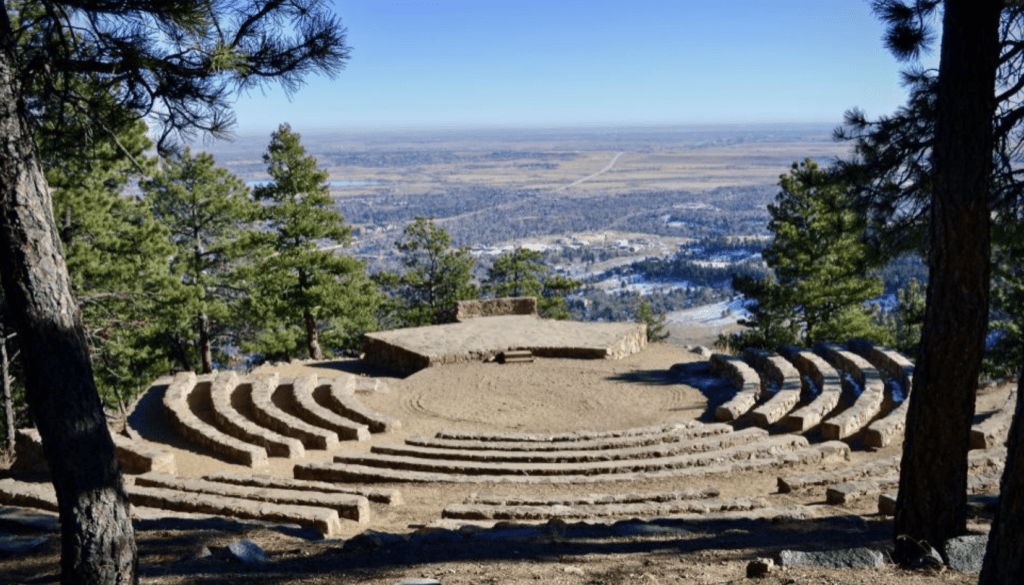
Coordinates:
<point>546,396</point>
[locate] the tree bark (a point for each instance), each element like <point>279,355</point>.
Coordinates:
<point>205,353</point>
<point>932,502</point>
<point>1004,558</point>
<point>312,337</point>
<point>97,539</point>
<point>5,383</point>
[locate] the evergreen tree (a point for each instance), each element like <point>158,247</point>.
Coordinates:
<point>304,292</point>
<point>117,255</point>
<point>522,273</point>
<point>819,261</point>
<point>179,62</point>
<point>516,274</point>
<point>208,212</point>
<point>552,303</point>
<point>655,323</point>
<point>435,276</point>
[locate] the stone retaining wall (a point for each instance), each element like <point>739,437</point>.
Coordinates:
<point>465,310</point>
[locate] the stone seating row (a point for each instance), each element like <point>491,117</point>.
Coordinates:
<point>986,483</point>
<point>457,435</point>
<point>386,496</point>
<point>229,399</point>
<point>348,506</point>
<point>992,431</point>
<point>671,434</point>
<point>822,453</point>
<point>592,499</point>
<point>813,370</point>
<point>657,450</point>
<point>133,456</point>
<point>743,378</point>
<point>187,388</point>
<point>866,406</point>
<point>780,380</point>
<point>979,461</point>
<point>766,447</point>
<point>581,511</point>
<point>248,419</point>
<point>325,520</point>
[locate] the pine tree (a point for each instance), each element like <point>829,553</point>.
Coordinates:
<point>516,274</point>
<point>209,214</point>
<point>522,273</point>
<point>655,323</point>
<point>303,289</point>
<point>179,63</point>
<point>819,261</point>
<point>435,277</point>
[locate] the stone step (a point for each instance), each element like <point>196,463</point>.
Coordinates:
<point>767,448</point>
<point>177,399</point>
<point>666,435</point>
<point>593,499</point>
<point>345,404</point>
<point>657,450</point>
<point>873,468</point>
<point>520,356</point>
<point>390,497</point>
<point>267,412</point>
<point>992,431</point>
<point>977,485</point>
<point>324,520</point>
<point>823,453</point>
<point>229,397</point>
<point>813,369</point>
<point>348,506</point>
<point>581,511</point>
<point>458,435</point>
<point>304,391</point>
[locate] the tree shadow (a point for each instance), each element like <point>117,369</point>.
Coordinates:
<point>716,389</point>
<point>379,553</point>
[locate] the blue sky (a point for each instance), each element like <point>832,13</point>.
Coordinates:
<point>452,63</point>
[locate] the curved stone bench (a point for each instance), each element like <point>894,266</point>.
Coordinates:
<point>992,431</point>
<point>456,435</point>
<point>303,390</point>
<point>891,427</point>
<point>774,371</point>
<point>344,403</point>
<point>769,447</point>
<point>659,450</point>
<point>814,369</point>
<point>821,453</point>
<point>270,415</point>
<point>867,405</point>
<point>348,506</point>
<point>194,430</point>
<point>743,378</point>
<point>390,497</point>
<point>673,435</point>
<point>225,393</point>
<point>593,499</point>
<point>137,457</point>
<point>581,511</point>
<point>872,468</point>
<point>324,520</point>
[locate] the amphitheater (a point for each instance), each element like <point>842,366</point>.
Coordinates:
<point>512,418</point>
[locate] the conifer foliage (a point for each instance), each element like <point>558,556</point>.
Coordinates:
<point>821,266</point>
<point>304,295</point>
<point>209,215</point>
<point>522,273</point>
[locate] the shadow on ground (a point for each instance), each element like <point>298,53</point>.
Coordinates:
<point>377,554</point>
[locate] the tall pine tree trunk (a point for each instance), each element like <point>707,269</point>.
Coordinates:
<point>312,337</point>
<point>97,540</point>
<point>205,353</point>
<point>1004,559</point>
<point>5,383</point>
<point>932,501</point>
